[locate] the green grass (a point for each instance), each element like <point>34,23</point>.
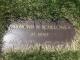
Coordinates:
<point>40,9</point>
<point>56,55</point>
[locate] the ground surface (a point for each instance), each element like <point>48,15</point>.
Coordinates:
<point>69,55</point>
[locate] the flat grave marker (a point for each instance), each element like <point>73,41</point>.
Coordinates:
<point>25,33</point>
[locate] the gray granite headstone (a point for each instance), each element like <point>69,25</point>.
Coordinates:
<point>26,33</point>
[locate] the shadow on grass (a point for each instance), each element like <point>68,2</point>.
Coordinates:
<point>69,55</point>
